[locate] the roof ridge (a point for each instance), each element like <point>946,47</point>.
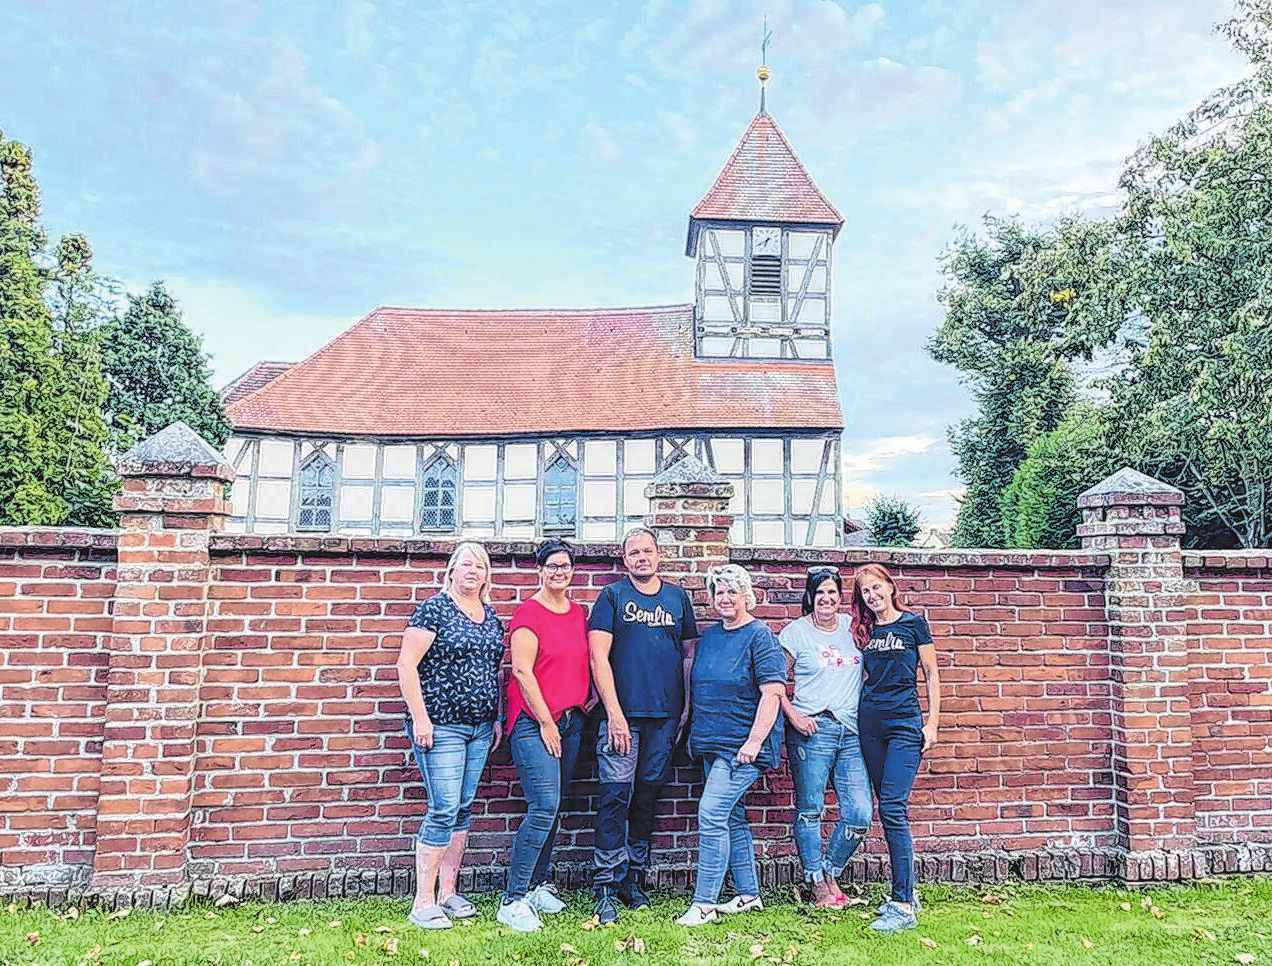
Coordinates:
<point>524,310</point>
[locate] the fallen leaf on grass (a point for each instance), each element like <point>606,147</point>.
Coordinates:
<point>1157,913</point>
<point>1146,903</point>
<point>360,939</point>
<point>11,908</point>
<point>589,924</point>
<point>120,913</point>
<point>303,932</point>
<point>73,914</point>
<point>33,938</point>
<point>383,928</point>
<point>161,923</point>
<point>390,945</point>
<point>789,956</point>
<point>258,929</point>
<point>992,900</point>
<point>858,901</point>
<point>1245,959</point>
<point>757,951</point>
<point>335,924</point>
<point>929,943</point>
<point>1205,934</point>
<point>1125,907</point>
<point>864,915</point>
<point>973,940</point>
<point>567,948</point>
<point>145,962</point>
<point>986,914</point>
<point>638,946</point>
<point>1087,944</point>
<point>225,900</point>
<point>294,958</point>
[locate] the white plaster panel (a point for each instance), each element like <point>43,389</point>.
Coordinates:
<point>824,535</point>
<point>234,448</point>
<point>397,503</point>
<point>399,462</point>
<point>479,463</point>
<point>802,494</point>
<point>812,312</point>
<point>236,525</point>
<point>828,497</point>
<point>766,456</point>
<point>599,498</point>
<point>521,461</point>
<point>768,496</point>
<point>359,462</point>
<point>800,244</point>
<point>635,503</point>
<point>240,490</point>
<point>396,531</point>
<point>729,455</point>
<point>519,531</point>
<point>276,527</point>
<point>737,533</point>
<point>475,530</point>
<point>275,458</point>
<point>355,502</point>
<point>806,455</point>
<point>730,242</point>
<point>734,271</point>
<point>519,501</point>
<point>737,502</point>
<point>715,308</point>
<point>638,456</point>
<point>764,349</point>
<point>712,346</point>
<point>599,531</point>
<point>273,498</point>
<point>768,533</point>
<point>766,309</point>
<point>479,503</point>
<point>600,457</point>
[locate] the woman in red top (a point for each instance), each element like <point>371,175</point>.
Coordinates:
<point>546,697</point>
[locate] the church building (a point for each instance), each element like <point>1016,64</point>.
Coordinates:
<point>528,423</point>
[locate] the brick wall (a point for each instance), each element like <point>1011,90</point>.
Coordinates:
<point>56,590</point>
<point>253,735</point>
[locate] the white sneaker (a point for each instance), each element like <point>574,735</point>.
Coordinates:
<point>698,916</point>
<point>740,904</point>
<point>519,916</point>
<point>543,898</point>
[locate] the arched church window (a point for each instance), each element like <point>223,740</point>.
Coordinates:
<point>317,492</point>
<point>439,495</point>
<point>560,497</point>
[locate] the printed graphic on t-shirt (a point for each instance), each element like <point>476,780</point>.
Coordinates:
<point>830,656</point>
<point>890,642</point>
<point>633,613</point>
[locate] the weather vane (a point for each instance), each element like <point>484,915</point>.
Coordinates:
<point>764,73</point>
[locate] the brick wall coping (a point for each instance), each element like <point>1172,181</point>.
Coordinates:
<point>12,538</point>
<point>854,556</point>
<point>229,543</point>
<point>1259,559</point>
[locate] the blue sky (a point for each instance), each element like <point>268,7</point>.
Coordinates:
<point>286,167</point>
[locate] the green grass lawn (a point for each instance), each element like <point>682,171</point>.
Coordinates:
<point>1213,922</point>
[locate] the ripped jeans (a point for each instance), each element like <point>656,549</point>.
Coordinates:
<point>831,755</point>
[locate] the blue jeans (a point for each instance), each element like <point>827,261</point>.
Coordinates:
<point>832,754</point>
<point>543,783</point>
<point>724,835</point>
<point>451,770</point>
<point>893,749</point>
<point>629,789</point>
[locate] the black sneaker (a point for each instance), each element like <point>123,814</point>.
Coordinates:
<point>604,909</point>
<point>632,895</point>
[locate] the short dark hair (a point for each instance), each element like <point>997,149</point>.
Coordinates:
<point>816,577</point>
<point>637,532</point>
<point>548,548</point>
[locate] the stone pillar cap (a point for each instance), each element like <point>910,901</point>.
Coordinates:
<point>1130,486</point>
<point>175,451</point>
<point>689,477</point>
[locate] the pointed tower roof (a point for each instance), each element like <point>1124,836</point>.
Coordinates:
<point>764,181</point>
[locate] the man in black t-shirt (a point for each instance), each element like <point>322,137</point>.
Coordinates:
<point>638,636</point>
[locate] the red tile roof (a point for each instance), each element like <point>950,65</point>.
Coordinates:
<point>764,181</point>
<point>450,372</point>
<point>253,379</point>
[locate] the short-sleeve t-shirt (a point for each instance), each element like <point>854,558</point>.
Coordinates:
<point>827,669</point>
<point>459,673</point>
<point>647,655</point>
<point>728,668</point>
<point>892,663</point>
<point>560,667</point>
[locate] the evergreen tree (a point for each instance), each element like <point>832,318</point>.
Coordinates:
<point>52,466</point>
<point>158,373</point>
<point>891,522</point>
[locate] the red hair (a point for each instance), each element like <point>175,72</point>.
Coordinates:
<point>863,618</point>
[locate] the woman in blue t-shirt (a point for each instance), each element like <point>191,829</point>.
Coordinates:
<point>894,642</point>
<point>738,678</point>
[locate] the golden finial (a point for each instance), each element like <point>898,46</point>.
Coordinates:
<point>763,73</point>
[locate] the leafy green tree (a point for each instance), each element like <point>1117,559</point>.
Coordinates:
<point>52,467</point>
<point>158,373</point>
<point>891,522</point>
<point>1040,506</point>
<point>1007,331</point>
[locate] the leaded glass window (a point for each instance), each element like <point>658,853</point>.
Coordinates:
<point>439,495</point>
<point>317,493</point>
<point>560,497</point>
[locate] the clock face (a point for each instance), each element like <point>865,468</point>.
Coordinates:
<point>766,241</point>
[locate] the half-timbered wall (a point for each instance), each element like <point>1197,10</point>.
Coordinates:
<point>786,487</point>
<point>741,313</point>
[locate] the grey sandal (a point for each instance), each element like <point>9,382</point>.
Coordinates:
<point>457,907</point>
<point>430,917</point>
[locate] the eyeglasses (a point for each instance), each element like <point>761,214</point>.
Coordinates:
<point>558,568</point>
<point>822,569</point>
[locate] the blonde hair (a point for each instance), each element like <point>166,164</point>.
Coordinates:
<point>478,551</point>
<point>732,576</point>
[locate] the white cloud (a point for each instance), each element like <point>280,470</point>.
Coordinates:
<point>605,146</point>
<point>882,453</point>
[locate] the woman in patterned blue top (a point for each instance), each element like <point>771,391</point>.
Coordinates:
<point>448,670</point>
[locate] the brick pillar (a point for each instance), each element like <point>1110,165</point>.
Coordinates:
<point>689,510</point>
<point>174,497</point>
<point>1136,520</point>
